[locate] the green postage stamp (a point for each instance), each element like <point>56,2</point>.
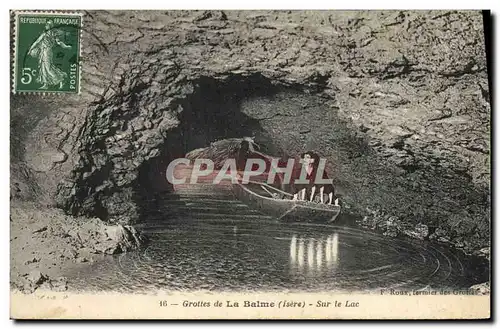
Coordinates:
<point>47,52</point>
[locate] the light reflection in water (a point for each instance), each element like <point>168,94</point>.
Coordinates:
<point>335,248</point>
<point>319,255</point>
<point>293,250</point>
<point>300,254</point>
<point>322,254</point>
<point>310,255</point>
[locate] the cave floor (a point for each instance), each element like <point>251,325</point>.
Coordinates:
<point>43,246</point>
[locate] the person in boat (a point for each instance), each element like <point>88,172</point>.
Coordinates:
<point>327,190</point>
<point>309,161</point>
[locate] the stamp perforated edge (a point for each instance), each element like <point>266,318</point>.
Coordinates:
<point>14,22</point>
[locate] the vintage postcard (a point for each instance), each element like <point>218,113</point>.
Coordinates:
<point>273,164</point>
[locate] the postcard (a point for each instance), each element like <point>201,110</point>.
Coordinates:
<point>244,164</point>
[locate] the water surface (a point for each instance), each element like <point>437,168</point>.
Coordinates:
<point>223,245</point>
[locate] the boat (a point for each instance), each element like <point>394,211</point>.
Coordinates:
<point>277,203</point>
<point>268,197</point>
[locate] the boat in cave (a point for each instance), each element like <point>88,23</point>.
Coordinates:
<point>273,199</point>
<point>271,196</point>
<point>279,204</point>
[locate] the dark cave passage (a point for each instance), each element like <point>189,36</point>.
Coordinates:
<point>284,121</point>
<point>213,112</point>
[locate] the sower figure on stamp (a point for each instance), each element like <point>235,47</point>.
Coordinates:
<point>48,73</point>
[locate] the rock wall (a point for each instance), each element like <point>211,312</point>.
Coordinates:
<point>398,99</point>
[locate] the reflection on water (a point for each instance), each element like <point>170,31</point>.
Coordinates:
<point>322,254</point>
<point>229,255</point>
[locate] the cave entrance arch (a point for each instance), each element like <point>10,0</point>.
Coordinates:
<point>211,113</point>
